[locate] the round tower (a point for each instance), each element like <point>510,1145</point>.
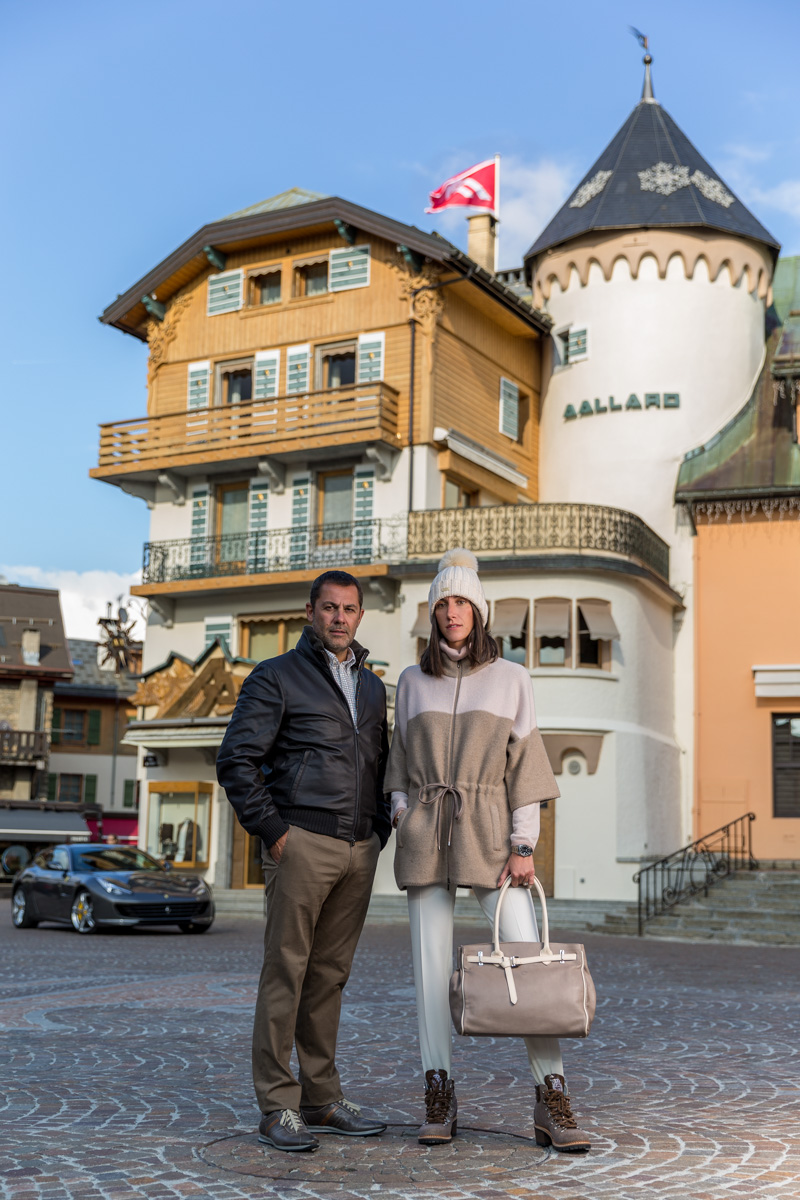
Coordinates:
<point>656,277</point>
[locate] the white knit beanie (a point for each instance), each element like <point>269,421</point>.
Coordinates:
<point>458,576</point>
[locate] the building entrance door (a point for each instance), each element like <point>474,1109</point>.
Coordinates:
<point>246,871</point>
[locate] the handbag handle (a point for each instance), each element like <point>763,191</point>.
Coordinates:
<point>545,923</point>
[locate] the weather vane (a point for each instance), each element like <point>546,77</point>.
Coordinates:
<point>642,39</point>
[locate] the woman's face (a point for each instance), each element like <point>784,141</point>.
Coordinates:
<point>456,619</point>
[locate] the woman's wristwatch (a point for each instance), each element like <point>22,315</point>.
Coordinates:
<point>523,851</point>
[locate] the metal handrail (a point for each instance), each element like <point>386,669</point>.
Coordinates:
<point>694,868</point>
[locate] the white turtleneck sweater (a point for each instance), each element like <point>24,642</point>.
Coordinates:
<point>525,820</point>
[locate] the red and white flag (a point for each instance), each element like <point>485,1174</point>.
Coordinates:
<point>474,188</point>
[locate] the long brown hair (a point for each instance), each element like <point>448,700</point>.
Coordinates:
<point>481,647</point>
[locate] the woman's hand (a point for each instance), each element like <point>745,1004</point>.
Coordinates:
<point>520,869</point>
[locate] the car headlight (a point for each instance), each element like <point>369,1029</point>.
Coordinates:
<point>200,888</point>
<point>113,888</point>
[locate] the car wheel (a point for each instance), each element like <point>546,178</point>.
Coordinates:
<point>82,913</point>
<point>20,911</point>
<point>191,927</point>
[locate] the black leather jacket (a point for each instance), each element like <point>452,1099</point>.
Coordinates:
<point>319,771</point>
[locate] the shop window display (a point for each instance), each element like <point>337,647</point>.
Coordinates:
<point>178,823</point>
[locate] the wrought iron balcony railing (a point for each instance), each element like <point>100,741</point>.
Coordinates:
<point>336,416</point>
<point>695,868</point>
<point>296,549</point>
<point>504,530</point>
<point>22,745</point>
<point>523,528</point>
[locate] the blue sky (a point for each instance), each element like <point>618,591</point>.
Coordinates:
<point>133,125</point>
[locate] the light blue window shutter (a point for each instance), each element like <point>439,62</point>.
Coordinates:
<point>363,506</point>
<point>257,550</point>
<point>225,292</point>
<point>509,409</point>
<point>218,627</point>
<point>349,268</point>
<point>199,385</point>
<point>198,555</point>
<point>298,368</point>
<point>370,356</point>
<point>298,541</point>
<point>577,344</point>
<point>267,370</point>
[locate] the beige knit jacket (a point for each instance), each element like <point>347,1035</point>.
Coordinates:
<point>467,751</point>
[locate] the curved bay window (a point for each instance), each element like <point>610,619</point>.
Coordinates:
<point>510,629</point>
<point>552,621</point>
<point>179,822</point>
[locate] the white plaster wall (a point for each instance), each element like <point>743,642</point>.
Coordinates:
<point>99,765</point>
<point>704,340</point>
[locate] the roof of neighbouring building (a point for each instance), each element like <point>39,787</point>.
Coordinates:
<point>288,199</point>
<point>24,608</point>
<point>756,453</point>
<point>89,677</point>
<point>649,176</point>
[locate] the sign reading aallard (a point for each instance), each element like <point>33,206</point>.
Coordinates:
<point>633,403</point>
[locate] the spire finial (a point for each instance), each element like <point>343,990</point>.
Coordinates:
<point>647,87</point>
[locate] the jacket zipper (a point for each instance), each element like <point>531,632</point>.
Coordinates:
<point>358,754</point>
<point>450,751</point>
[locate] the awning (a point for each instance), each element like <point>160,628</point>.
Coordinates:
<point>597,615</point>
<point>509,618</point>
<point>20,825</point>
<point>422,626</point>
<point>552,619</point>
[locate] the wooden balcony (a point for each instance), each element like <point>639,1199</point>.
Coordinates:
<point>365,412</point>
<point>22,746</point>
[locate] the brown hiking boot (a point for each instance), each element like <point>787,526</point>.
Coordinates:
<point>553,1119</point>
<point>441,1109</point>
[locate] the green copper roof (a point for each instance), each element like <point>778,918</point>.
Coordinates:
<point>755,454</point>
<point>289,199</point>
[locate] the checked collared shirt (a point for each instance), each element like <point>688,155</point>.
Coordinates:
<point>346,676</point>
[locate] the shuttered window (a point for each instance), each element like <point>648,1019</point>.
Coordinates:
<point>509,409</point>
<point>349,268</point>
<point>129,794</point>
<point>90,789</point>
<point>93,730</point>
<point>218,627</point>
<point>370,356</point>
<point>55,728</point>
<point>298,543</point>
<point>577,344</point>
<point>199,385</point>
<point>225,292</point>
<point>298,359</point>
<point>198,554</point>
<point>363,500</point>
<point>258,515</point>
<point>267,369</point>
<point>786,765</point>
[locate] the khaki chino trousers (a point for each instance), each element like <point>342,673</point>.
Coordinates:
<point>317,900</point>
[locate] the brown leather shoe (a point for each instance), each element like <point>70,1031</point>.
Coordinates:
<point>441,1109</point>
<point>340,1117</point>
<point>284,1129</point>
<point>553,1119</point>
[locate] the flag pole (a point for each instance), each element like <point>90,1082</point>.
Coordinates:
<point>496,206</point>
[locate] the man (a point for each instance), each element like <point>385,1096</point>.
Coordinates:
<point>315,720</point>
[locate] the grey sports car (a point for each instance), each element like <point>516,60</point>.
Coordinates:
<point>89,886</point>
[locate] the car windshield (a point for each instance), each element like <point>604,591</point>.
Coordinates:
<point>114,858</point>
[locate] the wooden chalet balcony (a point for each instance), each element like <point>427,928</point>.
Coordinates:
<point>21,746</point>
<point>372,547</point>
<point>363,412</point>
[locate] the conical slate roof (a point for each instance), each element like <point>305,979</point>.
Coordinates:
<point>649,176</point>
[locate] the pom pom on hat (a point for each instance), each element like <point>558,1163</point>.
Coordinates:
<point>458,558</point>
<point>458,576</point>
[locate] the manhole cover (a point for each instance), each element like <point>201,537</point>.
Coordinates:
<point>476,1155</point>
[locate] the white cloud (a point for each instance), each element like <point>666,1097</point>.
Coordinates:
<point>84,595</point>
<point>530,196</point>
<point>785,197</point>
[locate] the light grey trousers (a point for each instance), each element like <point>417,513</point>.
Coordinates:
<point>430,912</point>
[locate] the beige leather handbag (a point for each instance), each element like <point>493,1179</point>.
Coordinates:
<point>522,989</point>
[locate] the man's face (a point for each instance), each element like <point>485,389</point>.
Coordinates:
<point>335,617</point>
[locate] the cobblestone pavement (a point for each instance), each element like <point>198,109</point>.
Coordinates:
<point>125,1065</point>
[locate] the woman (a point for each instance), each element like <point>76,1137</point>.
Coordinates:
<point>467,772</point>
